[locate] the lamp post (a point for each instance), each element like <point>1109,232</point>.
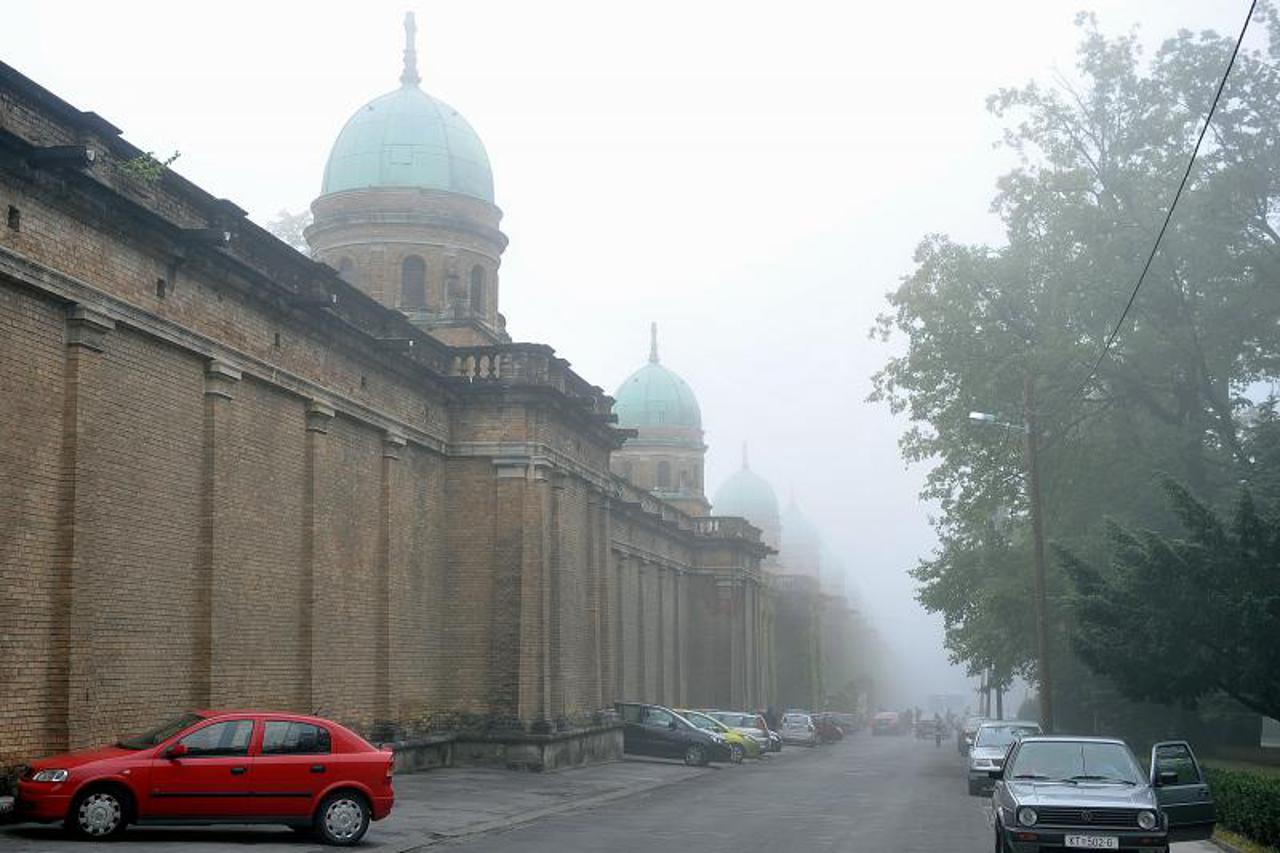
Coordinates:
<point>1031,434</point>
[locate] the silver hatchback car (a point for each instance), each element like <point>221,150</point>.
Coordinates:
<point>798,728</point>
<point>991,744</point>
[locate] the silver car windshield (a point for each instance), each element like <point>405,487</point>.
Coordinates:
<point>1075,761</point>
<point>1003,735</point>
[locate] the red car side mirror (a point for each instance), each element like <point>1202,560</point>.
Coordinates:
<point>176,751</point>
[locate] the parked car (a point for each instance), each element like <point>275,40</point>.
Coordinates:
<point>826,728</point>
<point>965,733</point>
<point>886,723</point>
<point>753,724</point>
<point>741,745</point>
<point>990,746</point>
<point>217,767</point>
<point>1091,793</point>
<point>798,728</point>
<point>659,731</point>
<point>848,723</point>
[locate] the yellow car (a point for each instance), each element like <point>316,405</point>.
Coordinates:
<point>740,746</point>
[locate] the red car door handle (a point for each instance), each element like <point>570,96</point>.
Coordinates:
<point>317,768</point>
<point>239,771</point>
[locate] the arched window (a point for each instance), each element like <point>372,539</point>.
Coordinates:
<point>477,289</point>
<point>347,269</point>
<point>626,468</point>
<point>664,475</point>
<point>413,283</point>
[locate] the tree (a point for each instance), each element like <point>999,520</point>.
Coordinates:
<point>1173,620</point>
<point>289,227</point>
<point>1099,159</point>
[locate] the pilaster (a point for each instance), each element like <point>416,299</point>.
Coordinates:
<point>70,684</point>
<point>315,554</point>
<point>219,457</point>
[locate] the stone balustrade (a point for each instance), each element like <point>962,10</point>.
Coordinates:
<point>527,365</point>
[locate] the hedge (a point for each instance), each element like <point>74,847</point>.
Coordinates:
<point>1247,803</point>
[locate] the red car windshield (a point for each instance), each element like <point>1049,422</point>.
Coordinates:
<point>160,733</point>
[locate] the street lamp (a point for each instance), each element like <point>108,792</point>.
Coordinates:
<point>1031,434</point>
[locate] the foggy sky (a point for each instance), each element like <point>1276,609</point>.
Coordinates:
<point>751,176</point>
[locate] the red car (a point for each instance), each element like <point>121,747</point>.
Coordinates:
<point>218,767</point>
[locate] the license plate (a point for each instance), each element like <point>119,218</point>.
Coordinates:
<point>1093,842</point>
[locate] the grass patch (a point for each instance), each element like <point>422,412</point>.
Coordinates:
<point>1239,842</point>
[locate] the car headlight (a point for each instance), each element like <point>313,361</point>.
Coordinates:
<point>50,776</point>
<point>1147,820</point>
<point>1027,816</point>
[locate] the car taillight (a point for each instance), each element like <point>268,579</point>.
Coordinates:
<point>391,768</point>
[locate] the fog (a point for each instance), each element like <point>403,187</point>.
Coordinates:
<point>753,177</point>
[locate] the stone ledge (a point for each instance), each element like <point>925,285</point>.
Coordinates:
<point>512,749</point>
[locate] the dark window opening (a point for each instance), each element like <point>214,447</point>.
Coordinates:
<point>477,290</point>
<point>347,269</point>
<point>15,218</point>
<point>364,382</point>
<point>286,738</point>
<point>162,288</point>
<point>229,738</point>
<point>276,341</point>
<point>664,475</point>
<point>413,283</point>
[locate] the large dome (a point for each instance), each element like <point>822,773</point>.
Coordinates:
<point>406,138</point>
<point>655,397</point>
<point>750,496</point>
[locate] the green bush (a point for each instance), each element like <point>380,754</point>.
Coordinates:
<point>1247,803</point>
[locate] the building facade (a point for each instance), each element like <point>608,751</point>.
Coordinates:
<point>233,475</point>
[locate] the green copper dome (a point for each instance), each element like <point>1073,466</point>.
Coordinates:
<point>406,138</point>
<point>748,495</point>
<point>654,396</point>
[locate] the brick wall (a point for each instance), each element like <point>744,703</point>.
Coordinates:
<point>214,492</point>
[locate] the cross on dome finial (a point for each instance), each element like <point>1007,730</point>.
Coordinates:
<point>653,343</point>
<point>410,77</point>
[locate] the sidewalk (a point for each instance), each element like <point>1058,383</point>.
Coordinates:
<point>431,808</point>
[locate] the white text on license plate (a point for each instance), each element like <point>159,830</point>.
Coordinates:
<point>1093,842</point>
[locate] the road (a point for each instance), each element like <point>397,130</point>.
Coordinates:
<point>865,795</point>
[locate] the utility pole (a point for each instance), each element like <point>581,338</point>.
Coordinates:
<point>1032,435</point>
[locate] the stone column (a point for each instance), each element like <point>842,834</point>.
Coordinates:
<point>660,625</point>
<point>642,652</point>
<point>619,631</point>
<point>319,417</point>
<point>554,596</point>
<point>70,698</point>
<point>384,710</point>
<point>216,599</point>
<point>520,635</point>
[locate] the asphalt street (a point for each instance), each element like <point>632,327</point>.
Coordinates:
<point>865,794</point>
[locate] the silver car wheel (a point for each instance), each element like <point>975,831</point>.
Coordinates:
<point>343,819</point>
<point>99,814</point>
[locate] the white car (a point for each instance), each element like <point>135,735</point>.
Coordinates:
<point>798,728</point>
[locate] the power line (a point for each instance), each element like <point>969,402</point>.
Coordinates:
<point>1115,331</point>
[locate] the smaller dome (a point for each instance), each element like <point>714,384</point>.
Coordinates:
<point>750,496</point>
<point>655,397</point>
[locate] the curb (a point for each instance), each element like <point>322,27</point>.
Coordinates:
<point>1224,846</point>
<point>537,814</point>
